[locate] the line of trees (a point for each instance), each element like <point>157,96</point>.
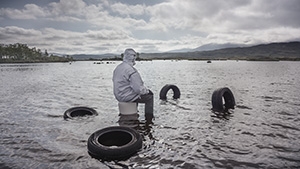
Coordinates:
<point>22,53</point>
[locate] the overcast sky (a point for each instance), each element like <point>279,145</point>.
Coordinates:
<point>111,26</point>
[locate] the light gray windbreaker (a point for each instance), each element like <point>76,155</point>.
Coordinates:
<point>128,84</point>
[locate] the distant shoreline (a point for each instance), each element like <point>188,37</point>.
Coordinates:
<point>104,60</point>
<point>285,51</point>
<point>33,61</point>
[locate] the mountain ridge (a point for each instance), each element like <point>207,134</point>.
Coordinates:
<point>216,46</point>
<point>270,51</point>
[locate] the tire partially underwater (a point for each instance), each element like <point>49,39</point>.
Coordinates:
<point>114,143</point>
<point>166,88</point>
<point>217,100</point>
<point>79,112</point>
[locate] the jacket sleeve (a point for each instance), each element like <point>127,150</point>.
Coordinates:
<point>137,84</point>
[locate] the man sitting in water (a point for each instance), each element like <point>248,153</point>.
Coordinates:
<point>129,86</point>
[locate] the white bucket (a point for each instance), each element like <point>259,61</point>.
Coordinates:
<point>127,108</point>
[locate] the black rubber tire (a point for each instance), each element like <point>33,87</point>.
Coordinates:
<point>79,112</point>
<point>166,88</point>
<point>217,100</point>
<point>114,143</point>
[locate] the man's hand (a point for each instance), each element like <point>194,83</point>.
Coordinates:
<point>150,92</point>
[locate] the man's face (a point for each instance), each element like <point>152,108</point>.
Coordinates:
<point>134,56</point>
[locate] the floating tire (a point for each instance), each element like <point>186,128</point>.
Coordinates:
<point>166,88</point>
<point>79,112</point>
<point>114,143</point>
<point>217,100</point>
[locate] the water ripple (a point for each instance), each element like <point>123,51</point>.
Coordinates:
<point>262,132</point>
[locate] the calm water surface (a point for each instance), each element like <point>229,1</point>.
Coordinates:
<point>262,132</point>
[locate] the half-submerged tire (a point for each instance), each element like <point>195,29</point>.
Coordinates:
<point>79,112</point>
<point>166,88</point>
<point>217,100</point>
<point>114,143</point>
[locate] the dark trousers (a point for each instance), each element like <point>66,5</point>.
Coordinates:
<point>148,100</point>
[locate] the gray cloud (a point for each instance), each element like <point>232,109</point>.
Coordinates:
<point>79,26</point>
